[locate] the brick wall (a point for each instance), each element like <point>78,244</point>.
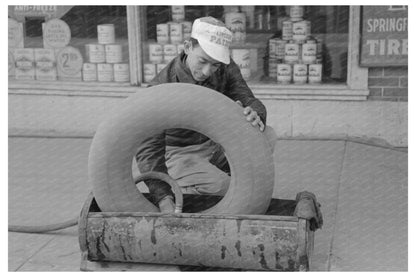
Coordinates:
<point>387,83</point>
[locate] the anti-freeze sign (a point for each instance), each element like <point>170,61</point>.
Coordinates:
<point>384,36</point>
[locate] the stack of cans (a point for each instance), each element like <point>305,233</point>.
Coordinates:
<point>105,61</point>
<point>242,58</point>
<point>169,42</point>
<point>319,42</point>
<point>276,55</point>
<point>173,32</point>
<point>296,56</point>
<point>236,23</point>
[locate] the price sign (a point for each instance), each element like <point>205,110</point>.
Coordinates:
<point>56,33</point>
<point>69,61</point>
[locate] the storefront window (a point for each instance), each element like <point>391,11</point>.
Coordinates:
<point>68,43</point>
<point>271,44</point>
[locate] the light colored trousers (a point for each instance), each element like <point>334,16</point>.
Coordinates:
<point>196,168</point>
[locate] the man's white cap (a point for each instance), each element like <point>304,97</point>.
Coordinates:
<point>213,37</point>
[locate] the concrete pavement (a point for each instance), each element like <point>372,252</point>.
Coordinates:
<point>362,189</point>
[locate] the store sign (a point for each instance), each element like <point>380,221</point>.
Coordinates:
<point>19,12</point>
<point>56,34</point>
<point>384,40</point>
<point>69,61</point>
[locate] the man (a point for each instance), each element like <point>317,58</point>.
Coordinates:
<point>197,163</point>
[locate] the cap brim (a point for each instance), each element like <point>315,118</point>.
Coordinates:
<point>221,55</point>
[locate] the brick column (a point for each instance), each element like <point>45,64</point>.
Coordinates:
<point>388,83</point>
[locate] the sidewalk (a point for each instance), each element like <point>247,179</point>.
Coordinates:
<point>360,187</point>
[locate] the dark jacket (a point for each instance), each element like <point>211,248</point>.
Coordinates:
<point>226,80</point>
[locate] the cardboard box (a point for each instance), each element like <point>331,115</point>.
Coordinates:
<point>45,63</point>
<point>24,59</point>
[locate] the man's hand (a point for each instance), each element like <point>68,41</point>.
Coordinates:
<point>252,116</point>
<point>166,205</point>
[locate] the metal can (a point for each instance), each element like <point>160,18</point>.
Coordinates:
<point>292,51</point>
<point>319,43</point>
<point>301,30</point>
<point>272,48</point>
<point>89,72</point>
<point>113,53</point>
<point>105,72</point>
<point>277,48</point>
<point>309,50</point>
<point>170,51</point>
<point>149,71</point>
<point>162,33</point>
<point>95,53</point>
<point>315,73</point>
<point>242,58</point>
<point>280,49</point>
<point>187,26</point>
<point>280,20</point>
<point>300,73</point>
<point>176,32</point>
<point>273,68</point>
<point>187,29</point>
<point>121,72</point>
<point>106,34</point>
<point>155,53</point>
<point>296,11</point>
<point>287,30</point>
<point>236,23</point>
<point>178,13</point>
<point>284,73</point>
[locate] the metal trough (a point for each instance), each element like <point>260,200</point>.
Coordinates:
<point>276,241</point>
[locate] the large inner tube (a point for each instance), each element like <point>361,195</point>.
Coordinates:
<point>177,105</point>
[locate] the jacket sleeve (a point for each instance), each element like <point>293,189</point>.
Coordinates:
<point>237,89</point>
<point>151,156</point>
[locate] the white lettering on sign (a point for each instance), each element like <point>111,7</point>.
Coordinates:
<point>404,46</point>
<point>394,47</point>
<point>397,8</point>
<point>387,24</point>
<point>29,8</point>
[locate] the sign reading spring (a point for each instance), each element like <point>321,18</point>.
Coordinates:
<point>384,40</point>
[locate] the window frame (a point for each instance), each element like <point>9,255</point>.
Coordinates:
<point>356,87</point>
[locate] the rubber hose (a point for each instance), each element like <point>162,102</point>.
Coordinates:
<point>43,228</point>
<point>72,222</point>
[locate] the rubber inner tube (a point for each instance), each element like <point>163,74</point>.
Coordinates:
<point>178,105</point>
